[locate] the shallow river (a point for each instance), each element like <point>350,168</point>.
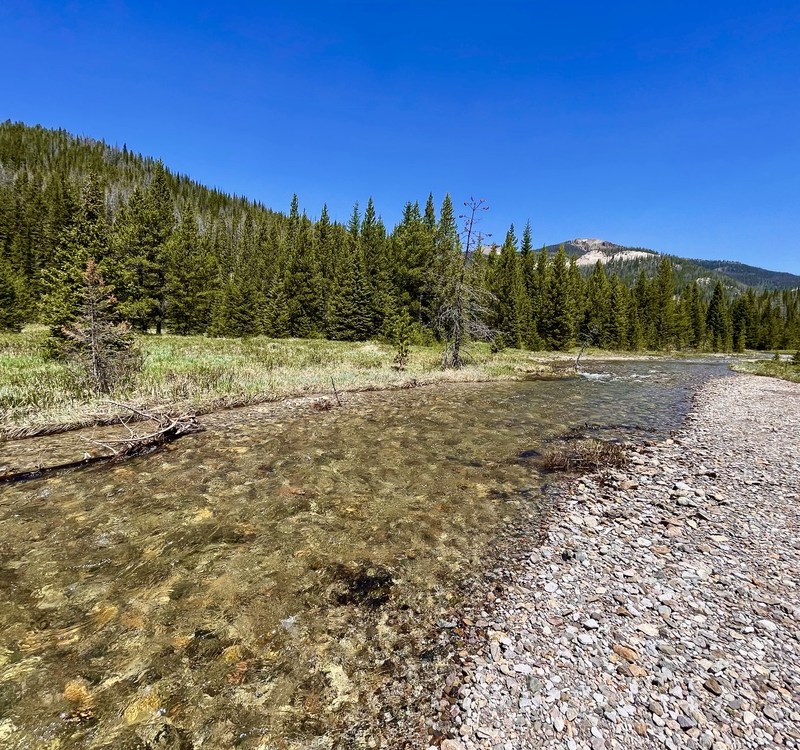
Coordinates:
<point>246,586</point>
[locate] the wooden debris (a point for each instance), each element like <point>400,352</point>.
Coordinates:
<point>166,429</point>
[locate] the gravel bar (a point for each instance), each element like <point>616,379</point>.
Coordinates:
<point>663,609</point>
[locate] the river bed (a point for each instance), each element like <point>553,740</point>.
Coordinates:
<point>272,581</point>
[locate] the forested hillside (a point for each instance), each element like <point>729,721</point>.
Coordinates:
<point>751,275</point>
<point>188,259</point>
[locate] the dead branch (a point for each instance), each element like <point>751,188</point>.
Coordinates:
<point>168,428</point>
<point>143,414</point>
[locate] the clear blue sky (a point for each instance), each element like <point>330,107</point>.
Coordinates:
<point>671,125</point>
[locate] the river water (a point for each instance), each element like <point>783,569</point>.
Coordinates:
<point>259,584</point>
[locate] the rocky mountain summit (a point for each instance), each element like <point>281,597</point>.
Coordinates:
<point>590,251</point>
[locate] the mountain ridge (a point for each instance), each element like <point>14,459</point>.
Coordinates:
<point>588,251</point>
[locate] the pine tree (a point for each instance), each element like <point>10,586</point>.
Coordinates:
<point>326,250</point>
<point>349,313</point>
<point>636,337</point>
<point>538,294</point>
<point>509,294</point>
<point>646,302</point>
<point>768,324</point>
<point>577,289</point>
<point>618,328</point>
<point>751,320</point>
<point>718,321</point>
<point>12,312</point>
<point>739,324</point>
<point>413,247</point>
<point>690,318</point>
<point>558,321</point>
<point>63,282</point>
<point>663,306</point>
<point>140,268</point>
<point>377,268</point>
<point>190,278</point>
<point>303,285</point>
<point>527,257</point>
<point>429,217</point>
<point>597,313</point>
<point>236,309</point>
<point>447,262</point>
<point>99,344</point>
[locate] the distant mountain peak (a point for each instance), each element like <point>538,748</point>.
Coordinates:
<point>587,251</point>
<point>629,261</point>
<point>590,244</point>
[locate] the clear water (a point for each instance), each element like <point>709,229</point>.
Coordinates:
<point>243,586</point>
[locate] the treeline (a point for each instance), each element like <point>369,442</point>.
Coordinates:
<point>543,301</point>
<point>192,261</point>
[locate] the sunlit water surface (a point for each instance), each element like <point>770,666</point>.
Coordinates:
<point>214,594</point>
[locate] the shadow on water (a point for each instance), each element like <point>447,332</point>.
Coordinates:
<point>261,584</point>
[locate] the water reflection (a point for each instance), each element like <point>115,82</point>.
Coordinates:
<point>248,586</point>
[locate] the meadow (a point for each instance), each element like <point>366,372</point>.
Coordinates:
<point>200,374</point>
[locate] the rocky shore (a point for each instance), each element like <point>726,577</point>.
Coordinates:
<point>662,610</point>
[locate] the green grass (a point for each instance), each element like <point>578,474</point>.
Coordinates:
<point>195,373</point>
<point>785,370</point>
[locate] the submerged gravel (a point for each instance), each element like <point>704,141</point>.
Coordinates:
<point>662,610</point>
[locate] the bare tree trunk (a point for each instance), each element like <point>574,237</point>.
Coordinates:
<point>457,318</point>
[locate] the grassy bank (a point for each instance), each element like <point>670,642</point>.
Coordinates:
<point>785,369</point>
<point>202,374</point>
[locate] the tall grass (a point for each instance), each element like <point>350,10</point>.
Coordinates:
<point>197,373</point>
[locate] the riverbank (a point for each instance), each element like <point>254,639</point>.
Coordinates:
<point>200,375</point>
<point>785,368</point>
<point>662,608</point>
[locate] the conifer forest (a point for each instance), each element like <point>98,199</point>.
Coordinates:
<point>189,260</point>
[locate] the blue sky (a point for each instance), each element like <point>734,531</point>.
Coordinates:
<point>669,125</point>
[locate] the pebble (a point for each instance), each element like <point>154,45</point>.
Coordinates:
<point>712,685</point>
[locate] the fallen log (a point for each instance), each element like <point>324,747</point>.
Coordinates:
<point>167,429</point>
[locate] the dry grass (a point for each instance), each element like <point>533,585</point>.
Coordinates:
<point>583,455</point>
<point>199,374</point>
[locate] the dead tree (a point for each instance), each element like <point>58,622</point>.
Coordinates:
<point>464,309</point>
<point>165,429</point>
<point>587,339</point>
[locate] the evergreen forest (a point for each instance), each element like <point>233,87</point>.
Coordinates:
<point>189,260</point>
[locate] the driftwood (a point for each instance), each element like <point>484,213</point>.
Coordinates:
<point>336,393</point>
<point>167,429</point>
